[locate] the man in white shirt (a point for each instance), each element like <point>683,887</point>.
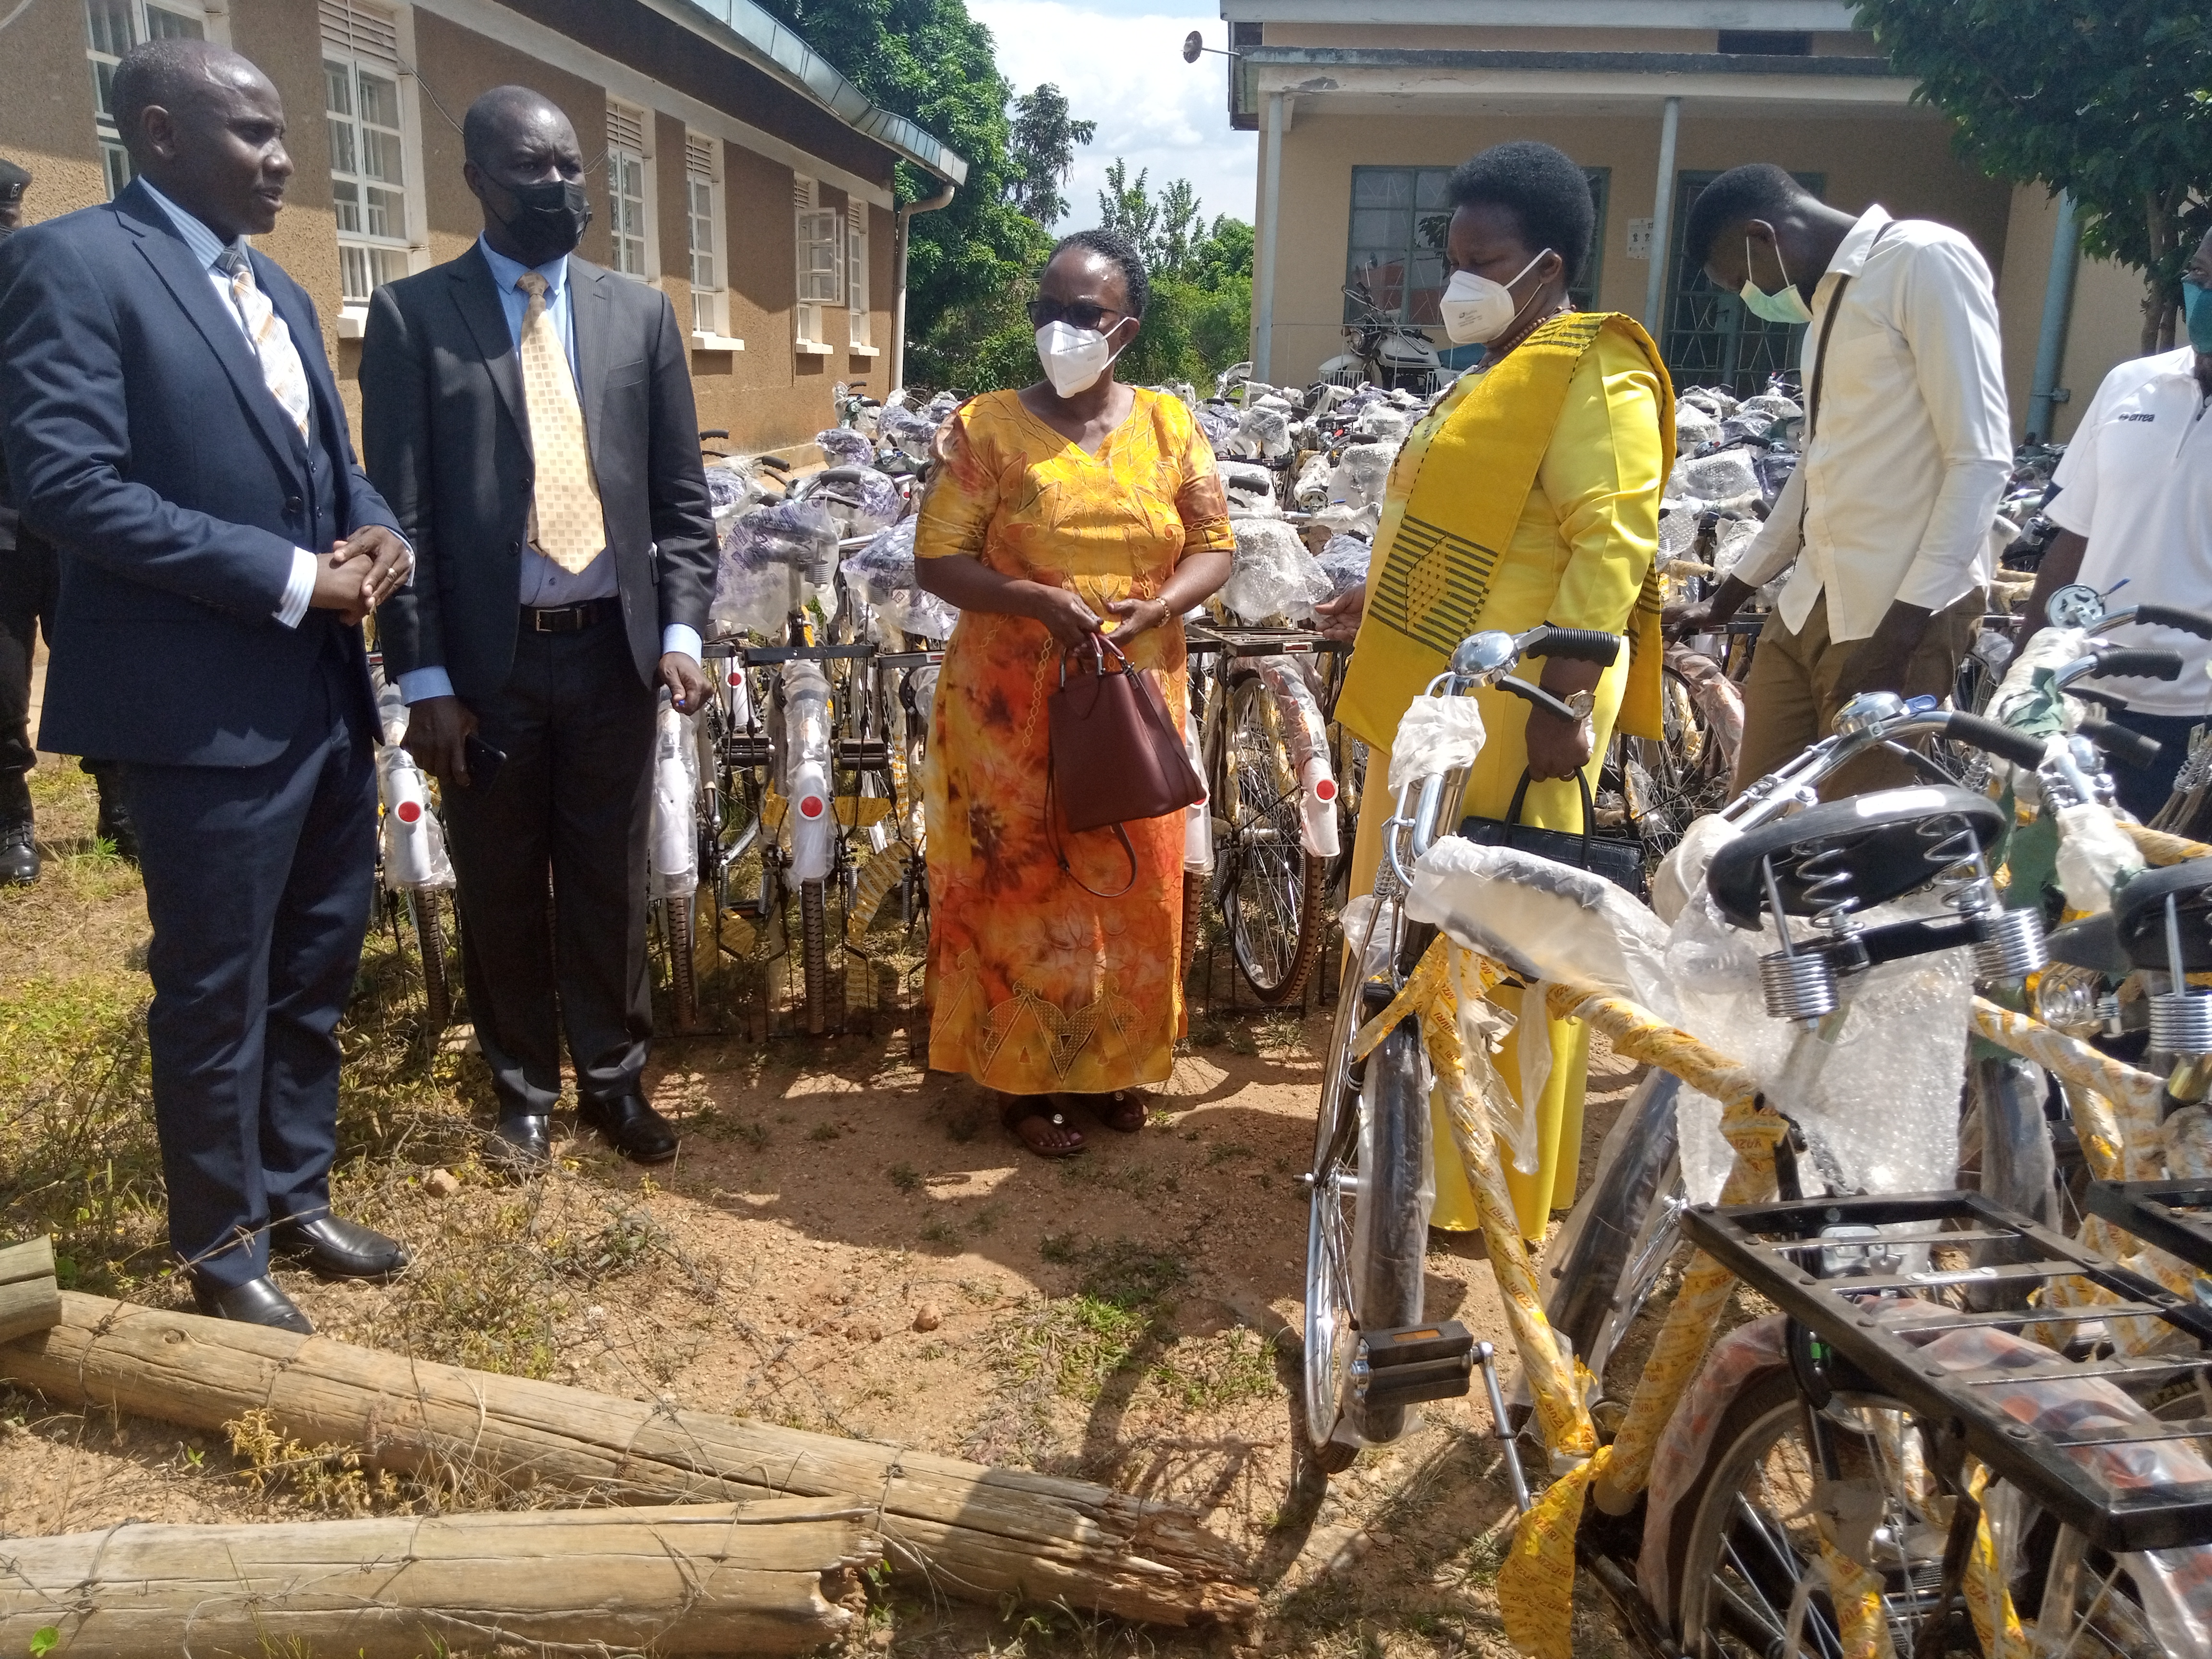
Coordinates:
<point>2135,507</point>
<point>1907,448</point>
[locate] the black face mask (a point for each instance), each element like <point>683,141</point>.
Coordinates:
<point>548,221</point>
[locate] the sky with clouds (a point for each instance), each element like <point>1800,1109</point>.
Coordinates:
<point>1120,61</point>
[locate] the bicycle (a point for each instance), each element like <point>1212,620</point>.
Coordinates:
<point>414,875</point>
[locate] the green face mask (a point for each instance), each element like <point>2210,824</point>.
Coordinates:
<point>2197,306</point>
<point>1784,305</point>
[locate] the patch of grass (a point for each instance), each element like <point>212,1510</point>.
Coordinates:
<point>1060,1249</point>
<point>1223,1151</point>
<point>906,1177</point>
<point>326,1478</point>
<point>754,1133</point>
<point>985,1221</point>
<point>1210,1374</point>
<point>940,1233</point>
<point>823,1132</point>
<point>964,1125</point>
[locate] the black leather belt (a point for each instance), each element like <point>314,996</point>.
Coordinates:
<point>569,618</point>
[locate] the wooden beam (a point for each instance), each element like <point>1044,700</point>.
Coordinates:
<point>969,1532</point>
<point>705,1579</point>
<point>30,1300</point>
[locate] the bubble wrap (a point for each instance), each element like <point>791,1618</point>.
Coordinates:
<point>886,564</point>
<point>1721,476</point>
<point>846,446</point>
<point>1361,473</point>
<point>912,434</point>
<point>672,850</point>
<point>1772,404</point>
<point>1264,431</point>
<point>727,491</point>
<point>1678,531</point>
<point>941,406</point>
<point>1219,426</point>
<point>1747,425</point>
<point>1693,428</point>
<point>1311,490</point>
<point>1731,541</point>
<point>1712,400</point>
<point>749,598</point>
<point>1382,424</point>
<point>911,611</point>
<point>1339,519</point>
<point>1273,575</point>
<point>799,535</point>
<point>1345,562</point>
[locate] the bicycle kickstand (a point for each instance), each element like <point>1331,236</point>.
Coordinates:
<point>1486,1357</point>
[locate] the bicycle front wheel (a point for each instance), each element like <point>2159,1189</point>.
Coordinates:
<point>1271,889</point>
<point>423,910</point>
<point>1367,1230</point>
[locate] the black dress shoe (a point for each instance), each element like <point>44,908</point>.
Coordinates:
<point>638,1132</point>
<point>522,1143</point>
<point>256,1302</point>
<point>114,826</point>
<point>340,1249</point>
<point>18,855</point>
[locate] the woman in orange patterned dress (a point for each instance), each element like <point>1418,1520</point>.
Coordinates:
<point>1072,506</point>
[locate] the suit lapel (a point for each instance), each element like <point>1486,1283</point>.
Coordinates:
<point>476,294</point>
<point>181,273</point>
<point>590,309</point>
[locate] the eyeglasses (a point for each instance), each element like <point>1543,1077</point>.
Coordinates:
<point>1079,313</point>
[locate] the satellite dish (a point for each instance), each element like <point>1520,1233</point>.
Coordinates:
<point>1193,44</point>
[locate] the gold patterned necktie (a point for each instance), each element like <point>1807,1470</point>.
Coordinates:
<point>285,375</point>
<point>567,524</point>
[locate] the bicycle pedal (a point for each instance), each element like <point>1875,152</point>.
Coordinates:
<point>1409,1364</point>
<point>861,754</point>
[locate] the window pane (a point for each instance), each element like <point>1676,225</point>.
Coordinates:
<point>345,200</point>
<point>387,214</point>
<point>386,265</point>
<point>342,156</point>
<point>379,155</point>
<point>170,26</point>
<point>1382,187</point>
<point>1427,276</point>
<point>116,161</point>
<point>103,78</point>
<point>107,26</point>
<point>1378,228</point>
<point>1429,188</point>
<point>338,81</point>
<point>380,100</point>
<point>353,274</point>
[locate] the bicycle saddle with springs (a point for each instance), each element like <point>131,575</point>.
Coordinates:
<point>1830,863</point>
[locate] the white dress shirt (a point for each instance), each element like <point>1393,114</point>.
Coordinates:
<point>1912,443</point>
<point>545,585</point>
<point>207,248</point>
<point>2136,482</point>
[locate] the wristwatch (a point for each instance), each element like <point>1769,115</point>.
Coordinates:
<point>1579,703</point>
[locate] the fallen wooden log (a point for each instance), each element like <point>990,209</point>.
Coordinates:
<point>704,1579</point>
<point>30,1300</point>
<point>972,1533</point>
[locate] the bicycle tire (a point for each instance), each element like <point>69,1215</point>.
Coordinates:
<point>1710,1556</point>
<point>437,976</point>
<point>1366,1232</point>
<point>814,956</point>
<point>1271,889</point>
<point>1194,918</point>
<point>675,913</point>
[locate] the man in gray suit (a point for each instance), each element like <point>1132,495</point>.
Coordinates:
<point>529,417</point>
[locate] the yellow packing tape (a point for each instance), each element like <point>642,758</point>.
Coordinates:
<point>1537,1584</point>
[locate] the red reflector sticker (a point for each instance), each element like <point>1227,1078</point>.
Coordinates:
<point>1325,790</point>
<point>810,807</point>
<point>410,811</point>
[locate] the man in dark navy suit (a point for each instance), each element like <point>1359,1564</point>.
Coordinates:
<point>172,426</point>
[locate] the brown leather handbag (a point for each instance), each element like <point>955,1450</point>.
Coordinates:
<point>1115,753</point>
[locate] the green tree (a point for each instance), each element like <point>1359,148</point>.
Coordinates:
<point>930,62</point>
<point>2103,98</point>
<point>1045,135</point>
<point>1126,208</point>
<point>1176,242</point>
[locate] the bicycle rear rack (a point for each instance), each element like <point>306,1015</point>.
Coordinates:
<point>1882,1323</point>
<point>2170,1214</point>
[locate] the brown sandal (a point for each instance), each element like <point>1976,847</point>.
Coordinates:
<point>1051,1138</point>
<point>1125,1111</point>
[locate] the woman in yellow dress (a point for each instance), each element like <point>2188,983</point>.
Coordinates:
<point>1072,508</point>
<point>1530,495</point>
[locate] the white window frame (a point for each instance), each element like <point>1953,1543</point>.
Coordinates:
<point>139,18</point>
<point>859,341</point>
<point>818,252</point>
<point>710,298</point>
<point>352,41</point>
<point>633,147</point>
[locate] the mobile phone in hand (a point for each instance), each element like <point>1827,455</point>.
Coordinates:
<point>483,760</point>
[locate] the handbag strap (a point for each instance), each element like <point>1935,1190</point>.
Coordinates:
<point>1589,808</point>
<point>1060,853</point>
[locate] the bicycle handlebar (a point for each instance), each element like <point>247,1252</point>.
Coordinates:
<point>2172,616</point>
<point>1575,644</point>
<point>1994,738</point>
<point>2129,747</point>
<point>2131,663</point>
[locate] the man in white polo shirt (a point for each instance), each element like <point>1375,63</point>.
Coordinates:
<point>2135,506</point>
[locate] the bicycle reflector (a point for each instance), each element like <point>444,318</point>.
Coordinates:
<point>1325,789</point>
<point>409,812</point>
<point>811,806</point>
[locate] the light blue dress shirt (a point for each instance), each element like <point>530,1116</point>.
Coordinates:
<point>207,248</point>
<point>544,583</point>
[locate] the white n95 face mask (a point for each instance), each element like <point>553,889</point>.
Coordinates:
<point>1073,358</point>
<point>1475,310</point>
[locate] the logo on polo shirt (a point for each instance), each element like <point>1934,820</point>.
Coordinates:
<point>2139,415</point>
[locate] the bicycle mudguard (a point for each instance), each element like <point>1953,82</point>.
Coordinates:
<point>1305,734</point>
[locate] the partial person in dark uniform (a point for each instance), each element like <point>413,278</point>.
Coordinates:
<point>28,583</point>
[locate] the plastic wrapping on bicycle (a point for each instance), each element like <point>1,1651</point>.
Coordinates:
<point>2069,1434</point>
<point>2129,747</point>
<point>1576,644</point>
<point>1994,738</point>
<point>2172,616</point>
<point>2136,663</point>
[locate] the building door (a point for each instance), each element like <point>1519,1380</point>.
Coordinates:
<point>1709,339</point>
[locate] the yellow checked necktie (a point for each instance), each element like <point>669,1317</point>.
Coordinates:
<point>281,368</point>
<point>567,524</point>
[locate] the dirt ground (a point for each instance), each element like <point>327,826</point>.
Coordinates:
<point>847,1243</point>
